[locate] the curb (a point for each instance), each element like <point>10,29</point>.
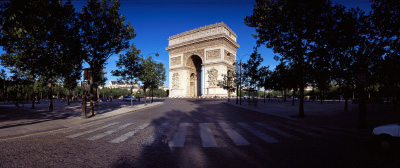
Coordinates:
<point>107,117</point>
<point>62,127</point>
<point>325,127</point>
<point>261,112</point>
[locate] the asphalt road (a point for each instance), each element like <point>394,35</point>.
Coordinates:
<point>194,133</point>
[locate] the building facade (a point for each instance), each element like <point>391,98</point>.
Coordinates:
<point>123,85</point>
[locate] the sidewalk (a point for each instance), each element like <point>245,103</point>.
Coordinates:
<point>330,115</point>
<point>20,121</point>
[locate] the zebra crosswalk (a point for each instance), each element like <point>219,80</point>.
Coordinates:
<point>176,135</point>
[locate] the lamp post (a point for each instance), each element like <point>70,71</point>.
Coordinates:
<point>240,74</point>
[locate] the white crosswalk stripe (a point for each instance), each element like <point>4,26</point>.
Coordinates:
<point>278,131</point>
<point>92,130</point>
<point>179,137</point>
<point>236,137</point>
<point>261,130</point>
<point>263,136</point>
<point>109,132</point>
<point>207,139</point>
<point>127,135</point>
<point>298,130</point>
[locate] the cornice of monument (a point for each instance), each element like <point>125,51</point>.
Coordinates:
<point>222,36</point>
<point>221,24</point>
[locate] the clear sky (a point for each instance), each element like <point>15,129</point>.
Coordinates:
<point>156,20</point>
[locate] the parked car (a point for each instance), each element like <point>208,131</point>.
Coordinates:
<point>128,98</point>
<point>386,137</point>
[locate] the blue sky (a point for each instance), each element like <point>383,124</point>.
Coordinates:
<point>156,20</point>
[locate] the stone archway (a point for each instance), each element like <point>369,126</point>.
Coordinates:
<point>194,63</point>
<point>198,58</point>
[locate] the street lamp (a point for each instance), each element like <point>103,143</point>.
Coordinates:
<point>240,76</point>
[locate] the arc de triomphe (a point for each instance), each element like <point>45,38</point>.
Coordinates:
<point>198,58</point>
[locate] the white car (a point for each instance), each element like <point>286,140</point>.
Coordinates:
<point>386,136</point>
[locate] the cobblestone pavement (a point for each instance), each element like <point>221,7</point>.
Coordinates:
<point>194,133</point>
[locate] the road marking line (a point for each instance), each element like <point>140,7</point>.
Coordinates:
<point>109,132</point>
<point>179,137</point>
<point>155,134</point>
<point>263,136</point>
<point>125,136</point>
<point>278,131</point>
<point>236,137</point>
<point>92,130</point>
<point>207,139</point>
<point>298,130</point>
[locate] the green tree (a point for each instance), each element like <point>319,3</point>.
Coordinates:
<point>128,66</point>
<point>384,15</point>
<point>265,79</point>
<point>103,32</point>
<point>152,74</point>
<point>252,75</point>
<point>289,28</point>
<point>228,83</point>
<point>35,35</point>
<point>71,81</point>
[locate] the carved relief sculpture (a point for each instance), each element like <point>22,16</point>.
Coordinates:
<point>175,80</point>
<point>213,54</point>
<point>176,61</point>
<point>212,77</point>
<point>230,57</point>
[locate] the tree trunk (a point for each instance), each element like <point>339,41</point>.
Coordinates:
<point>346,97</point>
<point>284,95</point>
<point>301,85</point>
<point>264,96</point>
<point>362,108</point>
<point>301,105</point>
<point>50,96</point>
<point>33,95</point>
<point>91,94</point>
<point>339,92</point>
<point>269,97</point>
<point>321,96</point>
<point>145,99</point>
<point>68,97</point>
<point>98,95</point>
<point>293,97</point>
<point>73,94</point>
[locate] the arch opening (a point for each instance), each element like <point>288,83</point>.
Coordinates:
<point>195,65</point>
